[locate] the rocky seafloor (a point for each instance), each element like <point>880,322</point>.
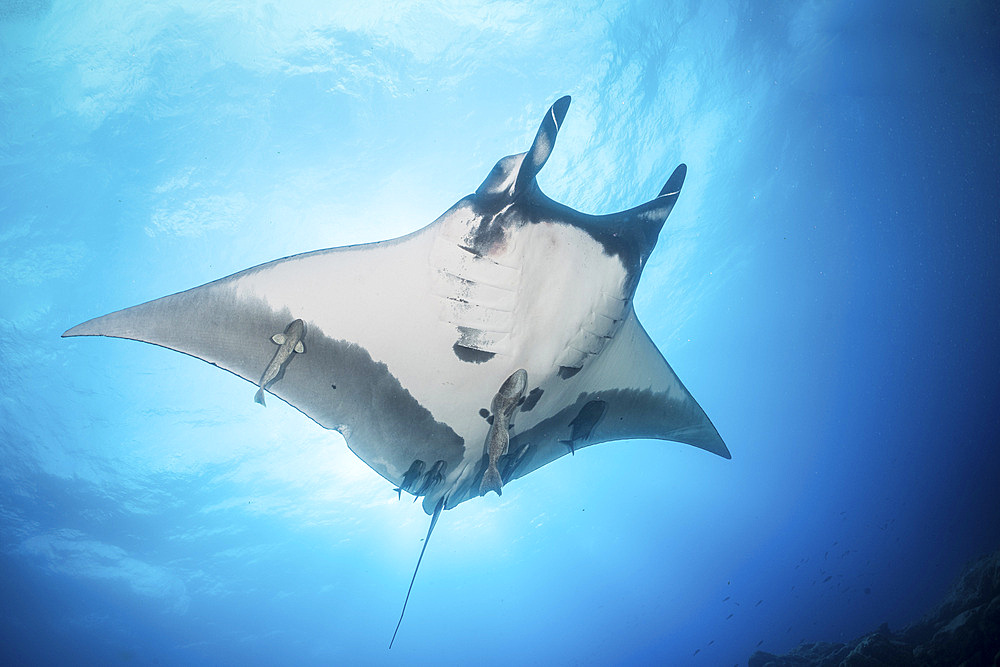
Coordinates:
<point>964,630</point>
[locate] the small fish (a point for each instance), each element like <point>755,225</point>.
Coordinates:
<point>498,438</point>
<point>288,343</point>
<point>696,651</point>
<point>762,641</point>
<point>410,477</point>
<point>729,617</point>
<point>433,477</point>
<point>583,424</point>
<point>725,598</point>
<point>513,461</point>
<point>758,603</point>
<point>828,579</point>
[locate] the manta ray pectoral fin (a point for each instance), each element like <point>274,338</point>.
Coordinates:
<point>300,348</point>
<point>259,397</point>
<point>628,391</point>
<point>434,519</point>
<point>278,338</point>
<point>642,397</point>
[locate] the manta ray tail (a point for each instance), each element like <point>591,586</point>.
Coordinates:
<point>259,397</point>
<point>434,519</point>
<point>491,482</point>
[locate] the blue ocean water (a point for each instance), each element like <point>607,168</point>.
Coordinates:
<point>826,287</point>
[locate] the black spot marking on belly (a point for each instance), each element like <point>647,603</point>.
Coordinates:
<point>470,355</point>
<point>565,372</point>
<point>583,424</point>
<point>532,399</point>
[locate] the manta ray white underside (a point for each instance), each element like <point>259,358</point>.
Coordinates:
<point>403,346</point>
<point>404,343</point>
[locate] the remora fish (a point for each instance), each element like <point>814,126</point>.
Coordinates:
<point>288,342</point>
<point>498,437</point>
<point>512,462</point>
<point>583,424</point>
<point>410,477</point>
<point>433,477</point>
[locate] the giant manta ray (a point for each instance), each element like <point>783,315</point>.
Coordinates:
<point>459,357</point>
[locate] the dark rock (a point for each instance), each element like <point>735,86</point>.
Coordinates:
<point>963,630</point>
<point>879,649</point>
<point>814,653</point>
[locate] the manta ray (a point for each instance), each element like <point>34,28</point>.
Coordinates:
<point>462,356</point>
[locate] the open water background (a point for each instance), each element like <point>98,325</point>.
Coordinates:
<point>827,287</point>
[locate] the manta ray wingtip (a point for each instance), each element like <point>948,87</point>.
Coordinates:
<point>715,445</point>
<point>82,329</point>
